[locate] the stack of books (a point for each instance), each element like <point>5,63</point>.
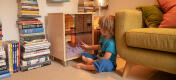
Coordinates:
<point>4,67</point>
<point>28,8</point>
<point>1,34</point>
<point>86,6</point>
<point>12,50</point>
<point>34,46</point>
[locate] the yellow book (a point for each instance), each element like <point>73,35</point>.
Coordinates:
<point>0,42</point>
<point>29,14</point>
<point>11,53</point>
<point>29,11</point>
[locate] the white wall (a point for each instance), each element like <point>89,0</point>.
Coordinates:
<point>8,14</point>
<point>115,5</point>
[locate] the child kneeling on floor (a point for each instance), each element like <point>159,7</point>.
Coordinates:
<point>106,60</point>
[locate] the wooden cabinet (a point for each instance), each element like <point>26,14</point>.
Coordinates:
<point>68,29</point>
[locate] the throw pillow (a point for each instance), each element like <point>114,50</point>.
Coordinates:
<point>152,15</point>
<point>166,5</point>
<point>169,18</point>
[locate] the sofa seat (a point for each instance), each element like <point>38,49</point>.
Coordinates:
<point>162,39</point>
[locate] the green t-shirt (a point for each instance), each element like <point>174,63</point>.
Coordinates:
<point>108,45</point>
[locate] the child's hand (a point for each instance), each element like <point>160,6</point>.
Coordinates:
<point>85,46</point>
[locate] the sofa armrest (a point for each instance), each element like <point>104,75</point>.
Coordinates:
<point>125,20</point>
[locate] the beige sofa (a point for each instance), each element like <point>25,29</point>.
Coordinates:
<point>151,47</point>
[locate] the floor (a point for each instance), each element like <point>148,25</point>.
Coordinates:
<point>58,72</point>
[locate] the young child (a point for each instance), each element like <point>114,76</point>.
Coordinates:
<point>106,60</point>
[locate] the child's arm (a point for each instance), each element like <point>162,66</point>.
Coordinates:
<point>90,47</point>
<point>107,55</point>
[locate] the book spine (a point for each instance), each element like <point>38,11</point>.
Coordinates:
<point>2,62</point>
<point>4,72</point>
<point>27,9</point>
<point>30,12</point>
<point>5,76</point>
<point>36,60</point>
<point>26,4</point>
<point>26,68</point>
<point>32,38</point>
<point>34,54</point>
<point>2,55</point>
<point>14,61</point>
<point>2,68</point>
<point>34,30</point>
<point>11,54</point>
<point>32,16</point>
<point>19,56</point>
<point>29,21</point>
<point>31,26</point>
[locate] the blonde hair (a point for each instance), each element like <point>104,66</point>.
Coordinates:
<point>107,23</point>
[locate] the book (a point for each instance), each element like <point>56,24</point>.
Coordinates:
<point>37,45</point>
<point>11,55</point>
<point>8,54</point>
<point>29,11</point>
<point>31,38</point>
<point>33,34</point>
<point>37,21</point>
<point>30,14</point>
<point>14,56</point>
<point>35,53</point>
<point>26,68</point>
<point>5,75</point>
<point>34,30</point>
<point>2,68</point>
<point>27,16</point>
<point>4,72</point>
<point>2,55</point>
<point>29,4</point>
<point>31,26</point>
<point>2,62</point>
<point>28,19</point>
<point>30,7</point>
<point>11,48</point>
<point>34,60</point>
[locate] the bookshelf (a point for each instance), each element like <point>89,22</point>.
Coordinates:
<point>68,29</point>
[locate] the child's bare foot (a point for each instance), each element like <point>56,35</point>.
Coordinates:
<point>79,65</point>
<point>90,61</point>
<point>87,60</point>
<point>84,58</point>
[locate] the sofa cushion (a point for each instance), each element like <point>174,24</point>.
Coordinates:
<point>162,39</point>
<point>152,15</point>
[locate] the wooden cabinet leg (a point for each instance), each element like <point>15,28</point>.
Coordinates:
<point>65,63</point>
<point>127,69</point>
<point>52,58</point>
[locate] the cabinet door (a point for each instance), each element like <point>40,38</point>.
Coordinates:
<point>87,22</point>
<point>79,25</point>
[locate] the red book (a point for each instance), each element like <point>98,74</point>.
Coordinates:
<point>0,33</point>
<point>37,21</point>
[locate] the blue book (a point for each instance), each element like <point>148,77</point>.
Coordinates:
<point>14,61</point>
<point>33,30</point>
<point>15,57</point>
<point>31,16</point>
<point>5,75</point>
<point>4,72</point>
